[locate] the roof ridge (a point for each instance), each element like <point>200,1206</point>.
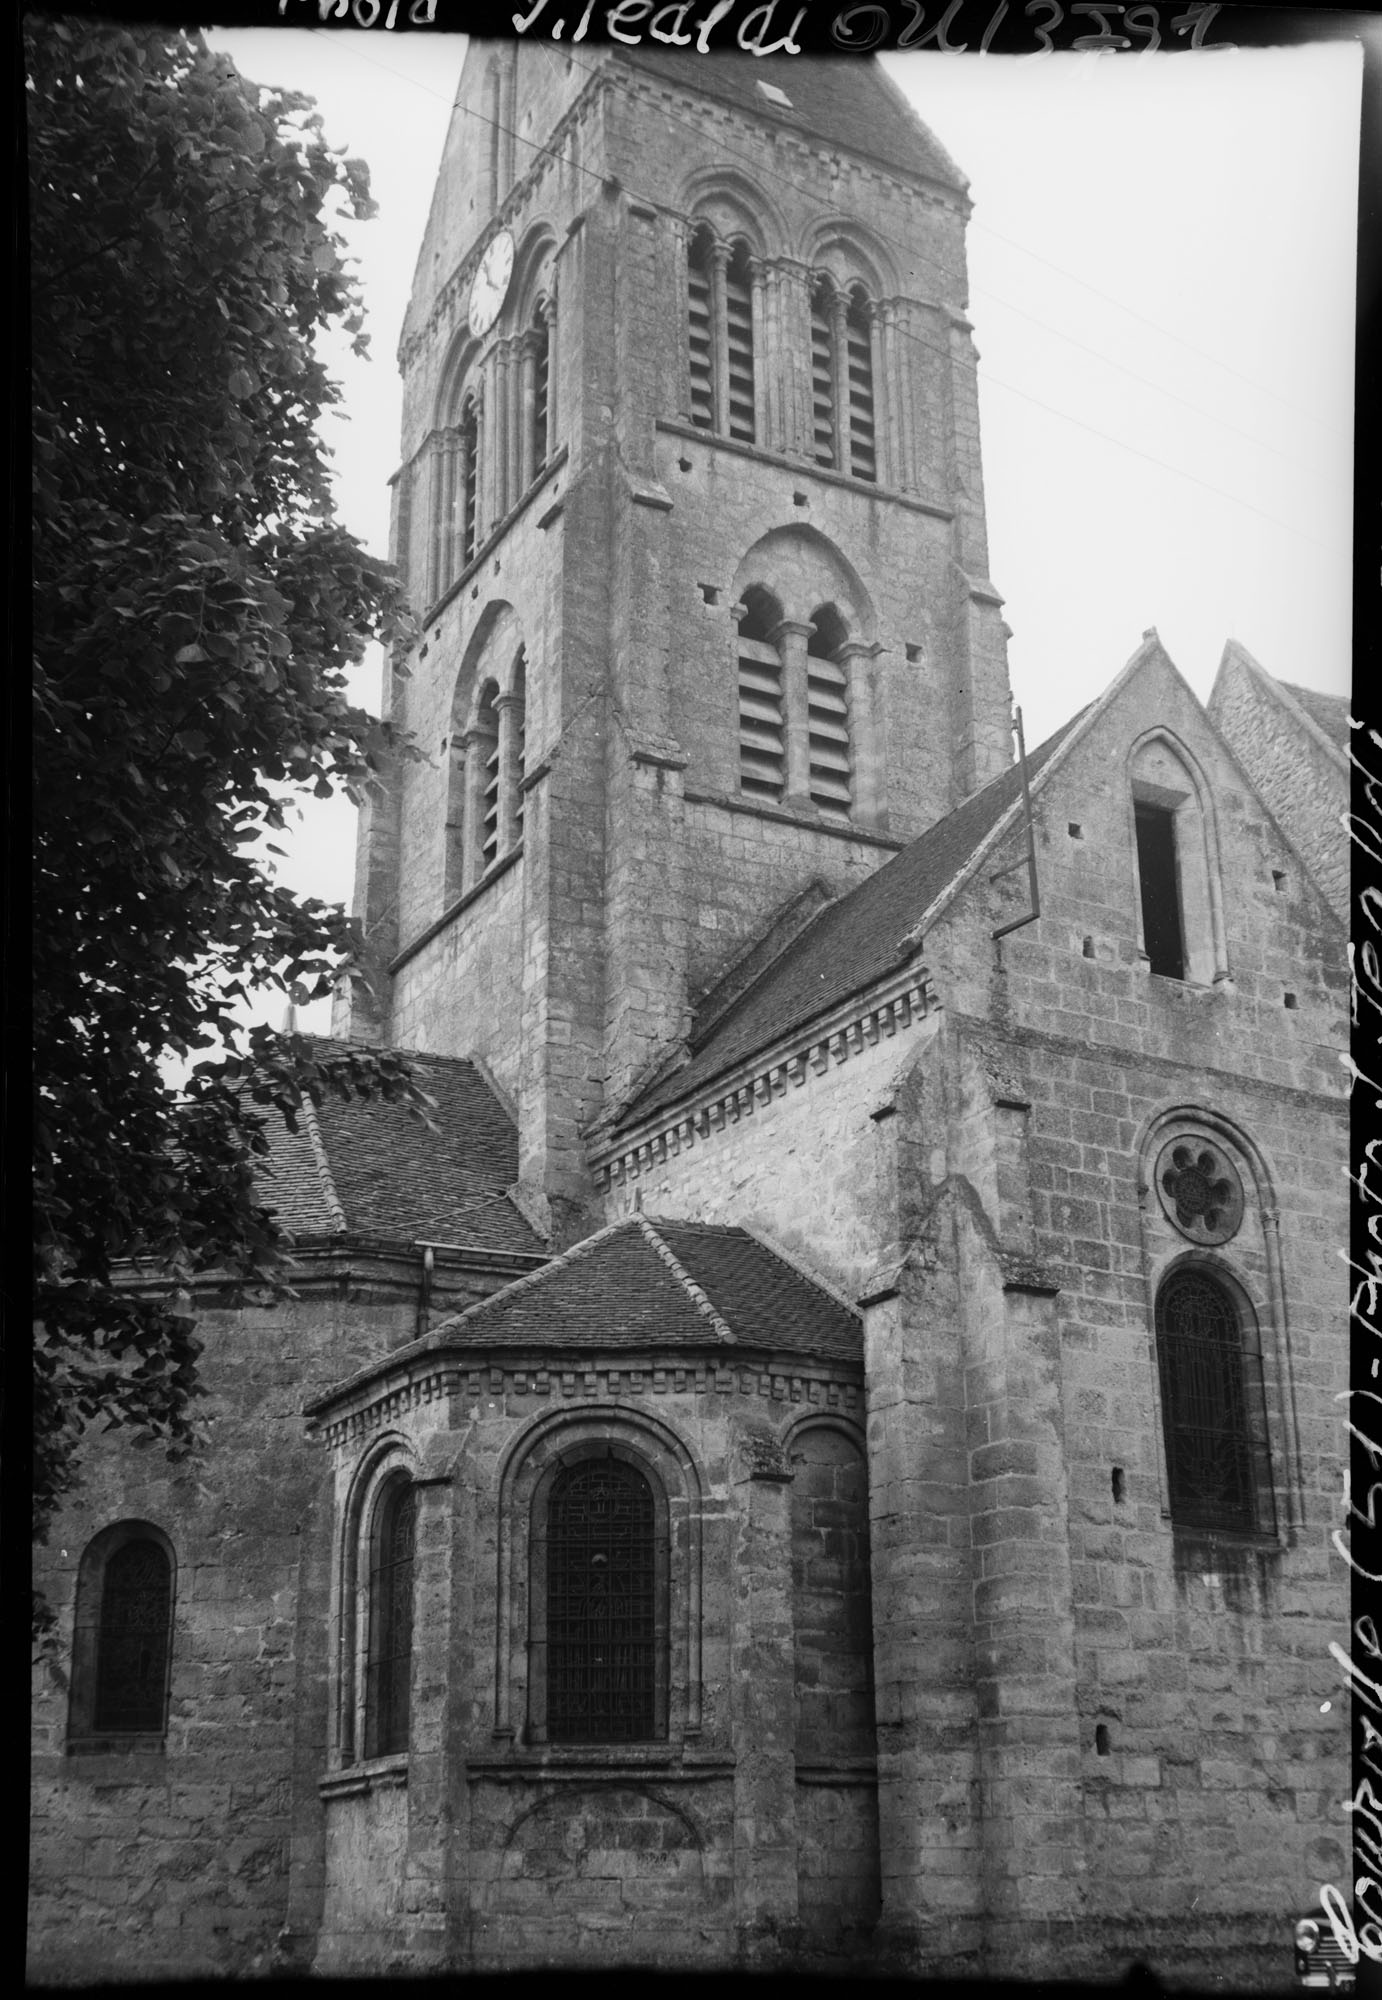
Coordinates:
<point>793,1263</point>
<point>683,1277</point>
<point>530,1278</point>
<point>323,1165</point>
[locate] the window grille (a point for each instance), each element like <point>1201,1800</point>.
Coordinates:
<point>1213,1407</point>
<point>863,454</point>
<point>601,1605</point>
<point>390,1659</point>
<point>700,333</point>
<point>133,1639</point>
<point>1162,931</point>
<point>739,325</point>
<point>822,376</point>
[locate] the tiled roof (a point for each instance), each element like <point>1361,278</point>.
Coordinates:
<point>846,101</point>
<point>1328,712</point>
<point>646,1283</point>
<point>364,1166</point>
<point>853,942</point>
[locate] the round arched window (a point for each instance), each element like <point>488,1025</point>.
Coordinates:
<point>1212,1404</point>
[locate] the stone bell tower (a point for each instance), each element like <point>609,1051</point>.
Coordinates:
<point>690,514</point>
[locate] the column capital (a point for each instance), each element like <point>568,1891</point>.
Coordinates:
<point>787,628</point>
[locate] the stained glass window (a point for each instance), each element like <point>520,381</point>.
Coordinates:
<point>601,1605</point>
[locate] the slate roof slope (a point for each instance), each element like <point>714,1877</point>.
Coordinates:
<point>647,1283</point>
<point>852,943</point>
<point>1328,712</point>
<point>848,102</point>
<point>366,1167</point>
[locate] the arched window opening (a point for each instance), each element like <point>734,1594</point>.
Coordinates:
<point>520,739</point>
<point>541,352</point>
<point>487,766</point>
<point>739,416</point>
<point>389,1658</point>
<point>823,372</point>
<point>1163,934</point>
<point>470,481</point>
<point>1213,1406</point>
<point>827,690</point>
<point>601,1605</point>
<point>700,330</point>
<point>762,720</point>
<point>133,1639</point>
<point>863,452</point>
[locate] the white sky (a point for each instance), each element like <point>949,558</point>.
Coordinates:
<point>1161,264</point>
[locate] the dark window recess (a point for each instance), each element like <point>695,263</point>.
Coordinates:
<point>601,1597</point>
<point>1207,1401</point>
<point>1156,866</point>
<point>132,1642</point>
<point>390,1664</point>
<point>1101,1739</point>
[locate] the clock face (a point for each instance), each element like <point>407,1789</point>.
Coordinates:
<point>490,283</point>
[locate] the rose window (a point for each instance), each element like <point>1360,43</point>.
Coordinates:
<point>1199,1189</point>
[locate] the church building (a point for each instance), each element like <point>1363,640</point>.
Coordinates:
<point>822,1453</point>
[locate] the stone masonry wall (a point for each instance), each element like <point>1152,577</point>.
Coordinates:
<point>169,1861</point>
<point>563,1853</point>
<point>1304,786</point>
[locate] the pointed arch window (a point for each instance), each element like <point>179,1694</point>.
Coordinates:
<point>762,715</point>
<point>1213,1405</point>
<point>602,1588</point>
<point>389,1657</point>
<point>827,694</point>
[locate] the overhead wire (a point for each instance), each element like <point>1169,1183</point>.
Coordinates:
<point>917,340</point>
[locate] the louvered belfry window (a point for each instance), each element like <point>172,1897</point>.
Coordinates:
<point>470,481</point>
<point>863,450</point>
<point>762,720</point>
<point>739,417</point>
<point>822,373</point>
<point>601,1605</point>
<point>487,722</point>
<point>133,1639</point>
<point>828,712</point>
<point>542,349</point>
<point>520,738</point>
<point>700,331</point>
<point>389,1664</point>
<point>1213,1407</point>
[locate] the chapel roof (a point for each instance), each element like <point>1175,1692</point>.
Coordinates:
<point>850,944</point>
<point>847,101</point>
<point>646,1282</point>
<point>368,1167</point>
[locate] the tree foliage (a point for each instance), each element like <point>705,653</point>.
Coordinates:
<point>196,609</point>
